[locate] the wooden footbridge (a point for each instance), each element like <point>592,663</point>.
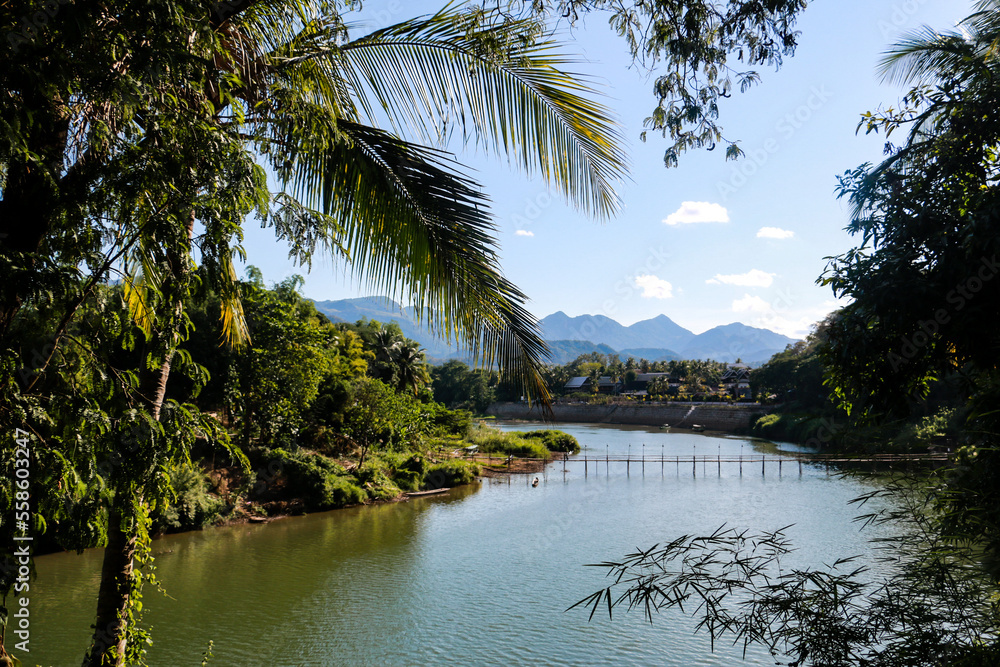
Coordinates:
<point>705,463</point>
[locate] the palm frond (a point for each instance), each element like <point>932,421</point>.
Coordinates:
<point>235,330</point>
<point>922,56</point>
<point>499,85</point>
<point>419,229</point>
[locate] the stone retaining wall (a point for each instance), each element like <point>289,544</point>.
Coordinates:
<point>714,416</point>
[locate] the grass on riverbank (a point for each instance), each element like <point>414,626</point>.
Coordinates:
<point>523,444</point>
<point>295,480</point>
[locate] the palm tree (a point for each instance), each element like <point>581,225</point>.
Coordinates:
<point>312,104</point>
<point>386,346</point>
<point>411,367</point>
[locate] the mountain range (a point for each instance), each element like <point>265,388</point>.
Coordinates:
<point>656,339</point>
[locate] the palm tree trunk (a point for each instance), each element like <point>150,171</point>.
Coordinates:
<point>154,385</point>
<point>110,629</point>
<point>114,595</point>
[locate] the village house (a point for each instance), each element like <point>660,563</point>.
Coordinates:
<point>605,385</point>
<point>736,380</point>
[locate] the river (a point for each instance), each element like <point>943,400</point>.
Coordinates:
<point>482,575</point>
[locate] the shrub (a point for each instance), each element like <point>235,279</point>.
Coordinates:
<point>450,473</point>
<point>340,492</point>
<point>192,507</point>
<point>449,422</point>
<point>554,441</point>
<point>376,478</point>
<point>927,430</point>
<point>320,482</point>
<point>512,445</point>
<point>766,424</point>
<point>409,474</point>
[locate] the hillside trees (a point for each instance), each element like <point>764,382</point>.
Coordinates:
<point>794,375</point>
<point>458,386</point>
<point>924,279</point>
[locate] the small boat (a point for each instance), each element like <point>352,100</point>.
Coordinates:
<point>665,426</point>
<point>697,427</point>
<point>535,483</point>
<point>431,492</point>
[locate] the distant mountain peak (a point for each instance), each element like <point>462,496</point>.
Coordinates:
<point>659,335</point>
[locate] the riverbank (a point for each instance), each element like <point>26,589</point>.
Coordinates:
<point>481,466</point>
<point>735,418</point>
<point>288,482</point>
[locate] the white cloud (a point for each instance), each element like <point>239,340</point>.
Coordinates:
<point>524,232</point>
<point>654,288</point>
<point>752,278</point>
<point>774,233</point>
<point>697,211</point>
<point>752,304</point>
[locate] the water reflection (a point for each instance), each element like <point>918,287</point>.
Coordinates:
<point>482,575</point>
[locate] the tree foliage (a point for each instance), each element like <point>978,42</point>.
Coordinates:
<point>795,375</point>
<point>935,607</point>
<point>923,279</point>
<point>698,52</point>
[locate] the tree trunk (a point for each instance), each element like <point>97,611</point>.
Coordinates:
<point>114,595</point>
<point>109,643</point>
<point>154,385</point>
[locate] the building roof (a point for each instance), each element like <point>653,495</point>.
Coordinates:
<point>576,383</point>
<point>734,373</point>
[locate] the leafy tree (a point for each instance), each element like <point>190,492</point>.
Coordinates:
<point>411,368</point>
<point>384,343</point>
<point>922,281</point>
<point>381,418</point>
<point>794,375</point>
<point>689,47</point>
<point>272,382</point>
<point>458,386</point>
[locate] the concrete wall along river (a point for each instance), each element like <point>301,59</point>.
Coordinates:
<point>712,416</point>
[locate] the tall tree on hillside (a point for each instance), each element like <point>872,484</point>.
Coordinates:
<point>923,279</point>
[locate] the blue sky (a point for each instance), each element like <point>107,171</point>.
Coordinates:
<point>709,242</point>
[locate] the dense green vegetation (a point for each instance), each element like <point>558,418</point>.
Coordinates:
<point>133,144</point>
<point>135,141</point>
<point>910,364</point>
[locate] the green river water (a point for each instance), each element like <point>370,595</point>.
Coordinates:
<point>480,576</point>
